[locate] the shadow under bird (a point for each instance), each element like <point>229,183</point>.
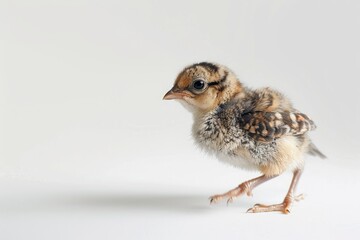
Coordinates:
<point>251,129</point>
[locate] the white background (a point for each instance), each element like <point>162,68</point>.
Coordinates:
<point>88,149</point>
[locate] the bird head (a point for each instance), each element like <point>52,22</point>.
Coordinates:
<point>204,86</point>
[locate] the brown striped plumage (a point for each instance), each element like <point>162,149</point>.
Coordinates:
<point>268,126</point>
<point>255,129</point>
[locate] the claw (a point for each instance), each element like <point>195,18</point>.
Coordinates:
<point>214,199</point>
<point>300,197</point>
<point>230,200</point>
<point>250,210</point>
<point>284,207</point>
<point>242,189</point>
<point>232,194</point>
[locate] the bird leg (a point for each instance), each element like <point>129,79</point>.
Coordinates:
<point>286,205</point>
<point>245,187</point>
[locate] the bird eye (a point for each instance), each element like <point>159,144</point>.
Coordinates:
<point>199,84</point>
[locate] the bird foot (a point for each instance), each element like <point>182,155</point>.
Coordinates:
<point>232,194</point>
<point>283,207</point>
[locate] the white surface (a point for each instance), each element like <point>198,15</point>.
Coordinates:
<point>89,150</point>
<point>173,204</point>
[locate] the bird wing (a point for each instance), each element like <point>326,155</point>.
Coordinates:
<point>267,126</point>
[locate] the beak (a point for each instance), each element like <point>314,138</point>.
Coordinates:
<point>175,93</point>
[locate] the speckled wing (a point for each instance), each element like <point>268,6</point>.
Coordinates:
<point>267,126</point>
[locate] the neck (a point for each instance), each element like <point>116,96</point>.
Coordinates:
<point>230,92</point>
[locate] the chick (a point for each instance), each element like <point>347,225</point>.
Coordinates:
<point>251,129</point>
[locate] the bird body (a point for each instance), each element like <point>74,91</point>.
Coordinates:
<point>239,132</point>
<point>251,129</point>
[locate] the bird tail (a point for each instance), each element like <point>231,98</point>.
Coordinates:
<point>314,151</point>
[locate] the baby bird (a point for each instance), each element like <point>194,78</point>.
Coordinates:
<point>252,129</point>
